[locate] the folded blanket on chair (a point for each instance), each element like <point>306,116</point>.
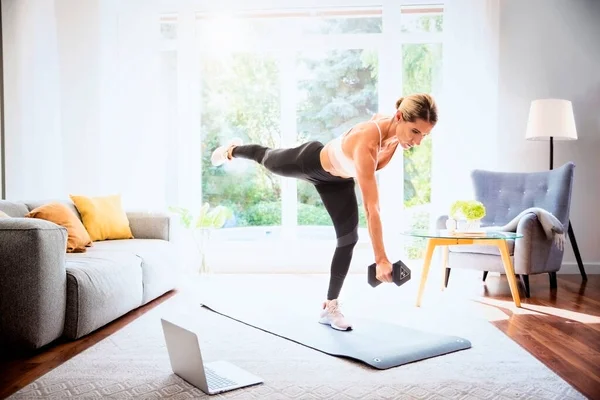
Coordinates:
<point>553,228</point>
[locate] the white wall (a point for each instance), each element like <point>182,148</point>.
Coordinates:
<point>551,48</point>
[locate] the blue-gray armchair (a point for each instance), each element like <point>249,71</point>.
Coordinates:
<point>505,195</point>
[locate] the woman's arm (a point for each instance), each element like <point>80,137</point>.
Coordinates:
<point>365,160</point>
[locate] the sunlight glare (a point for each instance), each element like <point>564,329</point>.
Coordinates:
<point>531,309</point>
<point>223,32</point>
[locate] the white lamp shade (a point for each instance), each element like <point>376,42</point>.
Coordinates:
<point>551,118</point>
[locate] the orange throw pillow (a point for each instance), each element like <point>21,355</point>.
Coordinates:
<point>60,214</point>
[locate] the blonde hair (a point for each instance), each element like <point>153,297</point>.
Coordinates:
<point>418,106</point>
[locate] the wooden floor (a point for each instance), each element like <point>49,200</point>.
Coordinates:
<point>560,327</point>
<point>562,330</point>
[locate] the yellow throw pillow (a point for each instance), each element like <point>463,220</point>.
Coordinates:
<point>4,215</point>
<point>103,217</point>
<point>78,238</point>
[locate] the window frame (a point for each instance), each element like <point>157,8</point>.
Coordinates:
<point>189,52</point>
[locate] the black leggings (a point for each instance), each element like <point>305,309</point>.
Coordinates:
<point>338,196</point>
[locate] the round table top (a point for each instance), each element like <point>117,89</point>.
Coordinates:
<point>445,234</point>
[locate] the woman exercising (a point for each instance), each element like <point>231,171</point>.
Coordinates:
<point>333,168</point>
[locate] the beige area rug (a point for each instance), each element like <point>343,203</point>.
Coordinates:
<point>133,363</point>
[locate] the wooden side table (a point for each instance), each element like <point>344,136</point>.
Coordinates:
<point>490,238</point>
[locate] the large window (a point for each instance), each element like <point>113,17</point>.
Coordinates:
<point>281,77</point>
<point>336,90</point>
<point>421,72</point>
<point>241,99</point>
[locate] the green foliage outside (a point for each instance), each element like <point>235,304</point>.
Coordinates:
<point>422,65</point>
<point>336,89</point>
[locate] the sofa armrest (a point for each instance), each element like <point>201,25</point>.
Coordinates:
<point>33,279</point>
<point>151,225</point>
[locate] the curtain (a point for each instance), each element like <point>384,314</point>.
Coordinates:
<point>133,139</point>
<point>34,143</point>
<point>83,104</point>
<point>466,135</point>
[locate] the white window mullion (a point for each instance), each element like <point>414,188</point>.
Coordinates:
<point>391,178</point>
<point>289,195</point>
<point>188,117</point>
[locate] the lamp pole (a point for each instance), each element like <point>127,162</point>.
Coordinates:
<point>570,231</point>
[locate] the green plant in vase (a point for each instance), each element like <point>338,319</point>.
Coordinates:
<point>202,224</point>
<point>466,214</point>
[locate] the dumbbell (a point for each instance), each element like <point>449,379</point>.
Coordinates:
<point>400,274</point>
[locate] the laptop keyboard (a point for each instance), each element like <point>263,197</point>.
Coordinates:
<point>216,381</point>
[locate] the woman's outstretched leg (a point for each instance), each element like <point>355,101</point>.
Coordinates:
<point>340,202</point>
<point>288,162</point>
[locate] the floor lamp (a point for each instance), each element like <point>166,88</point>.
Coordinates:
<point>553,119</point>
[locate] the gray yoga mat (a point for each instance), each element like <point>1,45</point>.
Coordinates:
<point>381,345</point>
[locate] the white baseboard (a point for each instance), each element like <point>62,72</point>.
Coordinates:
<point>591,268</point>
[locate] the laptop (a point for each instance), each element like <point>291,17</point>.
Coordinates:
<point>186,362</point>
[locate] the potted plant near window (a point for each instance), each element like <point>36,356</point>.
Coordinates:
<point>201,226</point>
<point>466,215</point>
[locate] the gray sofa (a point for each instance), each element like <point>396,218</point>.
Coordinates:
<point>46,293</point>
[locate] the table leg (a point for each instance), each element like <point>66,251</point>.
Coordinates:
<point>431,243</point>
<point>445,251</point>
<point>510,272</point>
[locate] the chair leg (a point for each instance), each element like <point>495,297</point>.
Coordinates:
<point>484,275</point>
<point>447,277</point>
<point>525,281</point>
<point>571,234</point>
<point>553,282</point>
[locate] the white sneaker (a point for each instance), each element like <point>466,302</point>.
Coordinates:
<point>331,315</point>
<point>219,155</point>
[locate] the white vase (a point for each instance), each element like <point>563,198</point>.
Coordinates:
<point>202,239</point>
<point>473,225</point>
<point>451,225</point>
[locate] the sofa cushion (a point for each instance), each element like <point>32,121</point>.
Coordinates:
<point>13,209</point>
<point>101,286</point>
<point>158,262</point>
